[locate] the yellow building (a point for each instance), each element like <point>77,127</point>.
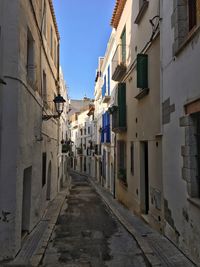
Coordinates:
<point>136,111</point>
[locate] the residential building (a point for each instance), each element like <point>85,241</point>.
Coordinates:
<point>64,145</point>
<point>180,99</point>
<point>136,112</point>
<point>29,143</point>
<point>81,134</point>
<point>98,120</point>
<point>107,136</point>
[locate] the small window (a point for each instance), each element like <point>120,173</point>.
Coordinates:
<point>44,167</point>
<point>51,41</point>
<point>132,157</point>
<point>123,45</point>
<point>44,20</point>
<point>108,80</point>
<point>121,152</point>
<point>30,66</point>
<point>88,130</point>
<point>142,71</point>
<point>55,53</point>
<point>192,12</point>
<point>44,88</point>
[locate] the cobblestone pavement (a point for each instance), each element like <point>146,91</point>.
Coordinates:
<point>88,235</point>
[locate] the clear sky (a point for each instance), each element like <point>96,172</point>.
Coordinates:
<point>84,27</point>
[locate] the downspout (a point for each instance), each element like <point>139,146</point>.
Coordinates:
<point>114,178</point>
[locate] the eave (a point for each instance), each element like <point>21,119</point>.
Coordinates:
<point>119,7</point>
<point>54,18</point>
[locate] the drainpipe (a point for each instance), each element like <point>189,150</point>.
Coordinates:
<point>114,192</point>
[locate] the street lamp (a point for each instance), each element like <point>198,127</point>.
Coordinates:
<point>59,102</point>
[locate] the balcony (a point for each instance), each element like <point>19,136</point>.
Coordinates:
<point>119,113</point>
<point>119,63</point>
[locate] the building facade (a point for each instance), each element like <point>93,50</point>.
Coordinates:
<point>136,113</point>
<point>180,123</point>
<point>29,143</point>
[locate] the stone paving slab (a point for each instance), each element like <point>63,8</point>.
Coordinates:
<point>158,250</point>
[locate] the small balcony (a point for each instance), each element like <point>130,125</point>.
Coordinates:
<point>119,63</point>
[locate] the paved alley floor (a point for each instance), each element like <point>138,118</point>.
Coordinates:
<point>88,235</point>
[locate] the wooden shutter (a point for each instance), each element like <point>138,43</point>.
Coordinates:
<point>142,71</point>
<point>122,104</point>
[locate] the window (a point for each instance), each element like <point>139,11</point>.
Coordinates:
<point>44,88</point>
<point>30,66</point>
<point>51,41</point>
<point>143,4</point>
<point>44,20</point>
<point>185,20</point>
<point>44,166</point>
<point>121,160</point>
<point>191,151</point>
<point>55,53</point>
<point>123,47</point>
<point>108,80</point>
<point>132,157</point>
<point>192,11</point>
<point>88,130</point>
<point>119,112</point>
<point>142,71</point>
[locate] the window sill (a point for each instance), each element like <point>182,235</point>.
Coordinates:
<point>141,12</point>
<point>189,37</point>
<point>194,201</point>
<point>142,93</point>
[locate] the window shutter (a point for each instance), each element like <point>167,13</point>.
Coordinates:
<point>122,104</point>
<point>142,71</point>
<point>108,80</point>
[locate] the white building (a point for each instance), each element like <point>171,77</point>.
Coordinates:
<point>180,57</point>
<point>63,156</point>
<point>29,143</point>
<point>106,100</point>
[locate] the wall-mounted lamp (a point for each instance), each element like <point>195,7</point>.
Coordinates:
<point>59,102</point>
<point>2,81</point>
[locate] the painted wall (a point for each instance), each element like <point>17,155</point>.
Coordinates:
<point>180,85</point>
<point>143,116</point>
<point>24,136</point>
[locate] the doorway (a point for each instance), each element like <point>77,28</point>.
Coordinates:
<point>144,177</point>
<point>26,201</point>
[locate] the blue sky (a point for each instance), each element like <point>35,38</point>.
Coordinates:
<point>84,27</point>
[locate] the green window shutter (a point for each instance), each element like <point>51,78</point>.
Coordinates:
<point>122,104</point>
<point>142,71</point>
<point>123,42</point>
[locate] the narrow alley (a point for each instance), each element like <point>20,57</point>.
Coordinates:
<point>87,234</point>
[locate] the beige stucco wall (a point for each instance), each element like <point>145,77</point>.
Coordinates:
<point>143,116</point>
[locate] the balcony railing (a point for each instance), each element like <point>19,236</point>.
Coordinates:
<point>119,63</point>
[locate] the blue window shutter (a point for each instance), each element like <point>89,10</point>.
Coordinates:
<point>104,87</point>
